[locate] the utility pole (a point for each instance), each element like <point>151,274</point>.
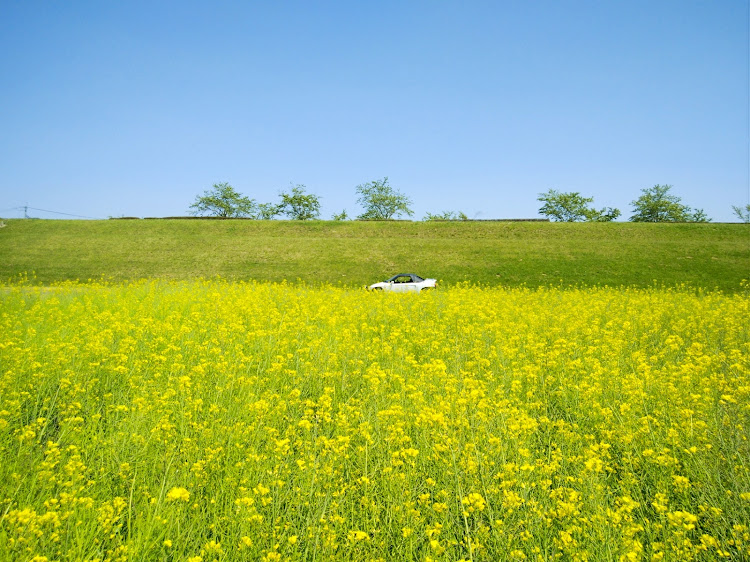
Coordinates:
<point>25,211</point>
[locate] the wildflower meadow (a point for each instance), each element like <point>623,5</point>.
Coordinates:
<point>218,421</point>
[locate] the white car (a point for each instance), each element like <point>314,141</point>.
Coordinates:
<point>403,283</point>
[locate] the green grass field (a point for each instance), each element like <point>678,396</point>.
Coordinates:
<point>357,253</point>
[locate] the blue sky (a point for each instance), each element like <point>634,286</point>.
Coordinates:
<point>135,108</point>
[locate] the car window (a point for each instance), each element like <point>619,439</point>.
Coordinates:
<point>416,278</point>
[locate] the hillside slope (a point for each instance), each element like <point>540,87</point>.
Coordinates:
<point>357,253</point>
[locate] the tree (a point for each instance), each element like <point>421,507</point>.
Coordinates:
<point>381,202</point>
<point>608,214</point>
<point>573,207</point>
<point>342,216</point>
<point>267,211</point>
<point>446,216</point>
<point>742,213</point>
<point>299,205</point>
<point>656,204</point>
<point>699,215</point>
<point>564,207</point>
<point>223,201</point>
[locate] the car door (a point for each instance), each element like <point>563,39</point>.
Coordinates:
<point>406,284</point>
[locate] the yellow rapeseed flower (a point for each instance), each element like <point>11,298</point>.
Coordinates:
<point>178,494</point>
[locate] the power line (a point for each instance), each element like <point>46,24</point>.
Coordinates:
<point>59,213</point>
<point>25,208</point>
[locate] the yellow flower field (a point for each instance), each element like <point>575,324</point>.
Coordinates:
<point>210,420</point>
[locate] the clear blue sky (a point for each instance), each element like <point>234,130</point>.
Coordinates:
<point>134,108</point>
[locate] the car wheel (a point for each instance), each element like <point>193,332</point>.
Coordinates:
<point>377,288</point>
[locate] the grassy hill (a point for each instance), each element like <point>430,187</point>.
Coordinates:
<point>358,253</point>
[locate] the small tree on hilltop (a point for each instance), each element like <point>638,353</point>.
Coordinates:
<point>299,205</point>
<point>381,202</point>
<point>267,211</point>
<point>564,207</point>
<point>446,216</point>
<point>656,204</point>
<point>223,201</point>
<point>742,213</point>
<point>608,214</point>
<point>698,215</point>
<point>573,207</point>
